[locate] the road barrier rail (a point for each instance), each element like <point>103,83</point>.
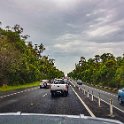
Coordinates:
<point>110,102</point>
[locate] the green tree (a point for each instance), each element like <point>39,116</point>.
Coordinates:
<point>103,69</point>
<point>22,63</point>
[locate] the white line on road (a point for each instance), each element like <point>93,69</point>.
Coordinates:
<point>44,95</point>
<point>87,108</point>
<point>27,90</point>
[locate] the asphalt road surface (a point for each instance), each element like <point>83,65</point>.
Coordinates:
<point>104,95</point>
<point>38,100</point>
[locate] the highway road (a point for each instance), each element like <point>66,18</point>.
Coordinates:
<point>36,100</point>
<point>105,96</point>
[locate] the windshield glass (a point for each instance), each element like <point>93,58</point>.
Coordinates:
<point>62,58</point>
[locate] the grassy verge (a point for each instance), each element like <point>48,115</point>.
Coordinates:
<point>10,88</point>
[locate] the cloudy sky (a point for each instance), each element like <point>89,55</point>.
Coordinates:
<point>69,29</point>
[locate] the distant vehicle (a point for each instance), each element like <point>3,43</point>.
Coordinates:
<point>59,86</point>
<point>44,84</point>
<point>67,81</point>
<point>79,82</point>
<point>121,96</point>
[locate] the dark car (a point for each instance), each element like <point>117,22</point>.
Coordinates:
<point>67,81</point>
<point>79,82</point>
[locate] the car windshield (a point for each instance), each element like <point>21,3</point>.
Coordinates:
<point>62,59</point>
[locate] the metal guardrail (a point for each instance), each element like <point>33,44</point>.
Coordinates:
<point>87,93</point>
<point>99,100</point>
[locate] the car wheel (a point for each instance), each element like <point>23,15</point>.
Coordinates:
<point>66,93</point>
<point>52,94</point>
<point>120,100</point>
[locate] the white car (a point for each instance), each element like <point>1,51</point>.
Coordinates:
<point>59,86</point>
<point>44,84</point>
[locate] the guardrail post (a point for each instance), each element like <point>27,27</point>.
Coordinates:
<point>99,100</point>
<point>87,93</point>
<point>84,91</point>
<point>111,107</point>
<point>92,96</point>
<point>79,88</point>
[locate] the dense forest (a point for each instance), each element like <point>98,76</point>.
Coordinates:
<point>22,62</point>
<point>104,70</point>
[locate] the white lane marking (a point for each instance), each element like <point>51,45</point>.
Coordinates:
<point>44,95</point>
<point>27,90</point>
<point>36,88</point>
<point>72,84</point>
<point>87,108</point>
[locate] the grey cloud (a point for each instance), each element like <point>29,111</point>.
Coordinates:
<point>53,23</point>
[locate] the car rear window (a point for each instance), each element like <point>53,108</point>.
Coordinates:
<point>59,82</point>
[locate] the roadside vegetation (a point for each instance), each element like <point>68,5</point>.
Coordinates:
<point>104,71</point>
<point>21,62</point>
<point>17,87</point>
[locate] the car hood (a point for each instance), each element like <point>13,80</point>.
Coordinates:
<point>33,118</point>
